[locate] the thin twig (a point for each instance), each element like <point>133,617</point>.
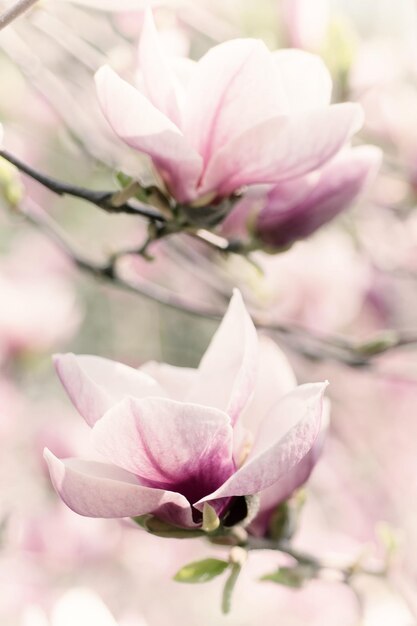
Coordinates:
<point>344,571</point>
<point>117,202</point>
<point>102,199</point>
<point>17,9</point>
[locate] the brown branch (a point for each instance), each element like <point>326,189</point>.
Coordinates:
<point>15,11</point>
<point>303,341</point>
<point>102,199</point>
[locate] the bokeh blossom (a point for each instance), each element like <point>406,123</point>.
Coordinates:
<point>175,438</point>
<point>44,288</point>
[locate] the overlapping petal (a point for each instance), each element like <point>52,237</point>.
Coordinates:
<point>305,78</point>
<point>143,127</point>
<point>285,438</point>
<point>95,384</point>
<point>282,148</point>
<point>230,92</point>
<point>274,380</point>
<point>99,490</point>
<point>228,370</point>
<point>295,209</point>
<point>176,382</point>
<point>168,444</point>
<point>160,83</point>
<point>168,456</point>
<point>244,116</point>
<point>271,497</point>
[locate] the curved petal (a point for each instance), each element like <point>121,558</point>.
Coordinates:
<point>334,188</point>
<point>286,437</point>
<point>99,490</point>
<point>305,78</point>
<point>184,70</point>
<point>175,381</point>
<point>282,148</point>
<point>228,369</point>
<point>160,83</point>
<point>142,127</point>
<point>173,445</point>
<point>94,384</point>
<point>274,381</point>
<point>271,497</point>
<point>231,90</point>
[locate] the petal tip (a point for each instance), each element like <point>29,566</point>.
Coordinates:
<point>47,454</point>
<point>61,360</point>
<point>56,469</point>
<point>102,72</point>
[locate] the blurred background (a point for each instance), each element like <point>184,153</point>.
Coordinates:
<point>356,277</point>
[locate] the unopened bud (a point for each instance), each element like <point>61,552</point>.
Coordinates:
<point>238,556</point>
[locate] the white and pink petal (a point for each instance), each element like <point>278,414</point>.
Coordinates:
<point>227,372</point>
<point>305,78</point>
<point>99,490</point>
<point>94,384</point>
<point>285,439</point>
<point>282,148</point>
<point>172,445</point>
<point>159,82</point>
<point>144,128</point>
<point>231,91</point>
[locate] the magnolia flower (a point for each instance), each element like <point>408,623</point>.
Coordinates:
<point>239,116</point>
<point>292,210</point>
<point>174,438</point>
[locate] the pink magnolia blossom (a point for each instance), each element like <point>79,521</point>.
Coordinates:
<point>294,209</point>
<point>171,438</point>
<point>241,115</point>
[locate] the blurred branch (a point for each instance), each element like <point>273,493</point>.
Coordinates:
<point>17,9</point>
<point>313,346</point>
<point>318,567</point>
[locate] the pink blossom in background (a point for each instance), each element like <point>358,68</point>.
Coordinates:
<point>305,22</point>
<point>171,437</point>
<point>11,408</point>
<point>240,116</point>
<point>321,283</point>
<point>390,118</point>
<point>43,288</point>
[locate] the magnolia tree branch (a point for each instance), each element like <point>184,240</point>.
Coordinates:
<point>17,9</point>
<point>118,202</point>
<point>102,199</point>
<point>301,340</point>
<point>320,568</point>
